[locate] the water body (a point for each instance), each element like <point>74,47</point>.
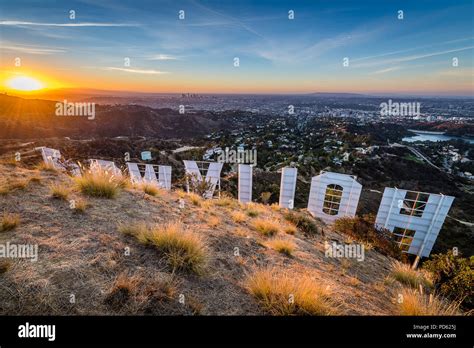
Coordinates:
<point>434,137</point>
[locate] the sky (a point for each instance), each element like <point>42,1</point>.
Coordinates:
<point>413,55</point>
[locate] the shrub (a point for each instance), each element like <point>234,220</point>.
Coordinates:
<point>100,184</point>
<point>403,273</point>
<point>362,229</point>
<point>60,191</point>
<point>265,197</point>
<point>282,294</point>
<point>305,223</point>
<point>9,221</point>
<point>414,302</point>
<point>453,276</point>
<point>266,227</point>
<point>283,246</point>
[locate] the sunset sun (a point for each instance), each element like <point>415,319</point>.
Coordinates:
<point>24,83</point>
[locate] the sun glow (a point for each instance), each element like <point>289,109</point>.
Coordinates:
<point>24,83</point>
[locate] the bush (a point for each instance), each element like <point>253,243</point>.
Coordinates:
<point>362,229</point>
<point>453,277</point>
<point>403,273</point>
<point>305,223</point>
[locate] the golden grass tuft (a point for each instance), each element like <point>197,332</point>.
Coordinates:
<point>195,199</point>
<point>238,216</point>
<point>412,302</point>
<point>213,221</point>
<point>290,229</point>
<point>407,276</point>
<point>60,191</point>
<point>100,184</point>
<point>9,222</point>
<point>283,246</point>
<point>183,250</point>
<point>150,189</point>
<point>283,294</point>
<point>266,227</point>
<point>225,201</point>
<point>80,205</point>
<point>46,167</point>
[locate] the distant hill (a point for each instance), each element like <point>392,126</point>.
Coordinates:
<point>28,118</point>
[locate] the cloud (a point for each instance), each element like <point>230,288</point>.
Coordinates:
<point>31,49</point>
<point>83,24</point>
<point>162,57</point>
<point>383,71</point>
<point>410,58</point>
<point>137,71</point>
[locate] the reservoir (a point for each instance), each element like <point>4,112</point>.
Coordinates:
<point>422,136</point>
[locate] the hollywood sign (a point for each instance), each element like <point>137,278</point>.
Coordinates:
<point>414,218</point>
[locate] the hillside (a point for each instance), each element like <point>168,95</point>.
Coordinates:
<point>83,254</point>
<point>36,118</point>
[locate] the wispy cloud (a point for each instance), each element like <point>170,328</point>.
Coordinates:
<point>383,71</point>
<point>162,57</point>
<point>410,58</point>
<point>137,71</point>
<point>83,24</point>
<point>31,49</point>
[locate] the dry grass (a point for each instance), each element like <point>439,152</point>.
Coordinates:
<point>80,205</point>
<point>195,199</point>
<point>121,291</point>
<point>9,222</point>
<point>225,202</point>
<point>407,276</point>
<point>60,191</point>
<point>4,266</point>
<point>414,302</point>
<point>16,185</point>
<point>100,184</point>
<point>266,227</point>
<point>283,246</point>
<point>46,167</point>
<point>183,250</point>
<point>290,229</point>
<point>283,294</point>
<point>238,216</point>
<point>149,188</point>
<point>213,221</point>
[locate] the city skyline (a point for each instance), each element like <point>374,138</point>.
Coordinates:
<point>276,54</point>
